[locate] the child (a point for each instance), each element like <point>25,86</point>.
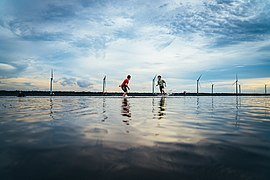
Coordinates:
<point>162,84</point>
<point>124,85</point>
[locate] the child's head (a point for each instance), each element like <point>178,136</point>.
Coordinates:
<point>128,76</point>
<point>159,77</point>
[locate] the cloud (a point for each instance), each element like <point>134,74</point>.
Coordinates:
<point>84,83</point>
<point>226,22</point>
<point>179,39</point>
<point>6,67</point>
<point>27,84</point>
<point>68,81</point>
<point>24,83</point>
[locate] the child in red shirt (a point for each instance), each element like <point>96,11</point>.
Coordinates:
<point>124,85</point>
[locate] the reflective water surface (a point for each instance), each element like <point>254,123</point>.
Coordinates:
<point>131,138</point>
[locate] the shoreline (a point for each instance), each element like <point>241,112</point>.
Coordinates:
<point>73,93</point>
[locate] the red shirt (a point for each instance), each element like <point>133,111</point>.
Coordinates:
<point>125,82</point>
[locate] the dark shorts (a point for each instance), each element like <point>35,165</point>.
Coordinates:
<point>161,88</point>
<point>124,89</point>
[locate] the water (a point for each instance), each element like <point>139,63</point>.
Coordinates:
<point>146,138</point>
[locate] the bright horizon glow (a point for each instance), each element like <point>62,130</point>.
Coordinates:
<point>178,39</point>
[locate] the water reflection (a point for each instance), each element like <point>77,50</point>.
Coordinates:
<point>91,149</point>
<point>266,108</point>
<point>126,111</point>
<point>212,103</point>
<point>212,107</point>
<point>153,105</point>
<point>161,112</point>
<point>104,110</point>
<point>198,106</point>
<point>51,109</point>
<point>198,102</point>
<point>238,105</point>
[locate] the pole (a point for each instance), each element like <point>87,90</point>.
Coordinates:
<point>153,84</point>
<point>197,87</point>
<point>239,88</point>
<point>236,87</point>
<point>198,83</point>
<point>265,89</point>
<point>104,84</point>
<point>212,88</point>
<point>51,83</point>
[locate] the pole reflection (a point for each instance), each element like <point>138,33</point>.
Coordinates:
<point>212,107</point>
<point>197,105</point>
<point>153,105</point>
<point>266,108</point>
<point>104,110</point>
<point>51,109</point>
<point>198,102</point>
<point>212,103</point>
<point>237,116</point>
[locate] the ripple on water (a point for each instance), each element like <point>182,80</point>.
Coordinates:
<point>102,138</point>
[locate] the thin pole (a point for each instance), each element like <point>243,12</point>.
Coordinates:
<point>104,84</point>
<point>153,84</point>
<point>197,87</point>
<point>51,83</point>
<point>236,85</point>
<point>198,83</point>
<point>265,89</point>
<point>239,88</point>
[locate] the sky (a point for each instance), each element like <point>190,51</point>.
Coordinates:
<point>84,40</point>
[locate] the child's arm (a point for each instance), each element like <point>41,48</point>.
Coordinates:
<point>127,86</point>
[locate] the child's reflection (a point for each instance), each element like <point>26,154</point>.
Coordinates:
<point>161,113</point>
<point>126,110</point>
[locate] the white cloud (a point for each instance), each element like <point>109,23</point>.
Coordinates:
<point>83,83</point>
<point>178,39</point>
<point>68,81</point>
<point>6,67</point>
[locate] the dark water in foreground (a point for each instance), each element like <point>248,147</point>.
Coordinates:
<point>135,138</point>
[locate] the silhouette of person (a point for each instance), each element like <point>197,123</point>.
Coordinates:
<point>162,84</point>
<point>124,86</point>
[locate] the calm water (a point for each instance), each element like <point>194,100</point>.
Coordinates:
<point>135,138</point>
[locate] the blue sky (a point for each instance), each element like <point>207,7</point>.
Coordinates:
<point>83,40</point>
